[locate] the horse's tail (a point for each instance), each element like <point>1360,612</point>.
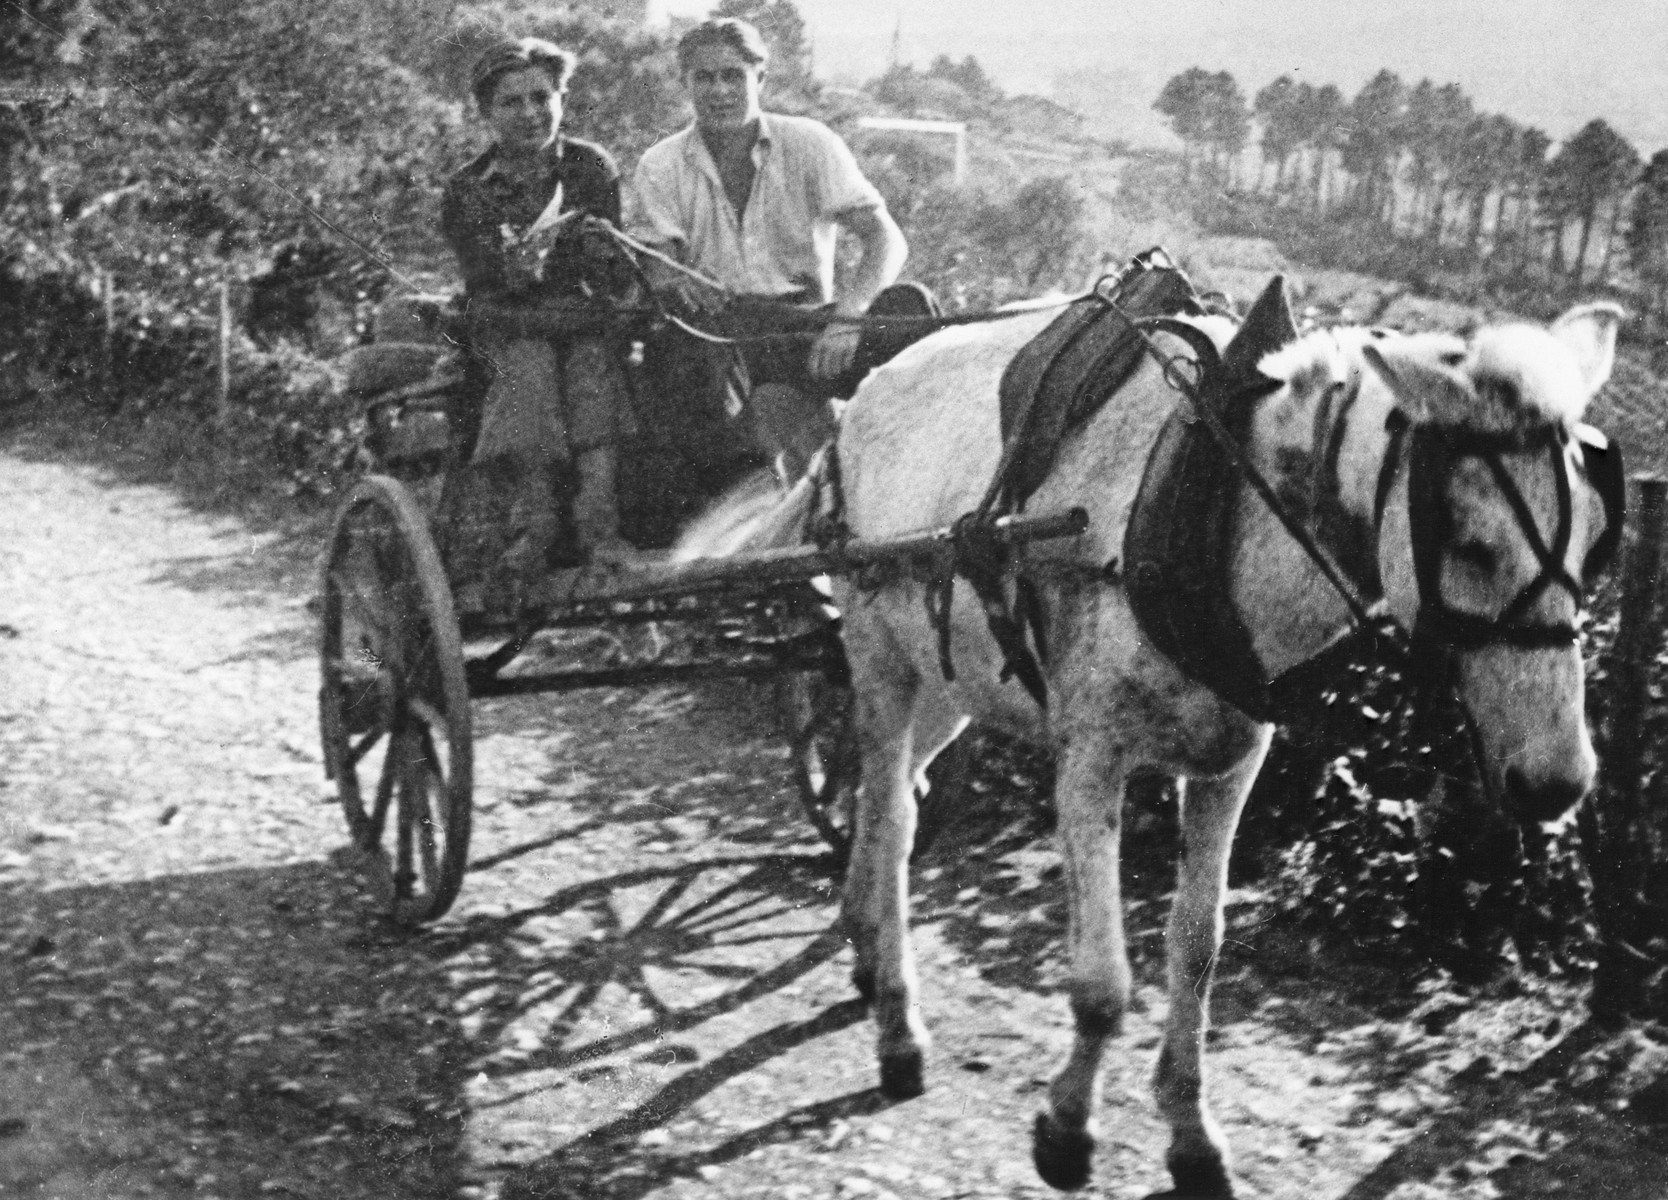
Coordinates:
<point>754,515</point>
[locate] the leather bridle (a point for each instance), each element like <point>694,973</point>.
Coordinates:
<point>1434,449</point>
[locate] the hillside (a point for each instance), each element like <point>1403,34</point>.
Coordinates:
<point>1546,62</point>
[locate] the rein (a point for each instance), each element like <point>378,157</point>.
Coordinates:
<point>1432,450</point>
<point>1205,409</point>
<point>636,251</point>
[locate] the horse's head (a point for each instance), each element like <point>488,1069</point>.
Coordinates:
<point>1512,508</point>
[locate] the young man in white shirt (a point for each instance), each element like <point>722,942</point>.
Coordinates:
<point>756,201</point>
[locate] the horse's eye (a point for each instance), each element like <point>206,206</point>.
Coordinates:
<point>1479,555</point>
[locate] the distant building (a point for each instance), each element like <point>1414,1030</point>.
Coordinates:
<point>955,131</point>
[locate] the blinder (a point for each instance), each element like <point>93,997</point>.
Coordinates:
<point>1434,450</point>
<point>1602,461</point>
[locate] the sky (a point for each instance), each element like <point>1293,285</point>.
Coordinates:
<point>1552,63</point>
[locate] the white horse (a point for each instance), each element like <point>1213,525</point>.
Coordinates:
<point>1485,545</point>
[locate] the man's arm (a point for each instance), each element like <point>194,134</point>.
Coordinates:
<point>882,260</point>
<point>655,221</point>
<point>884,251</point>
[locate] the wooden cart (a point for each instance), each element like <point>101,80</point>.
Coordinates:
<point>399,668</point>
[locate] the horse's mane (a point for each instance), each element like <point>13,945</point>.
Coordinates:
<point>1506,377</point>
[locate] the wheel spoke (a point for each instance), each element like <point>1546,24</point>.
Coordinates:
<point>426,843</point>
<point>431,717</point>
<point>364,746</point>
<point>385,789</point>
<point>403,873</point>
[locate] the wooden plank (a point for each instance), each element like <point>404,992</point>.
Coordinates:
<point>609,583</point>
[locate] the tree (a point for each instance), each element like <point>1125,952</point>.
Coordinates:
<point>1227,121</point>
<point>1647,233</point>
<point>31,37</point>
<point>1373,144</point>
<point>1320,116</point>
<point>1590,171</point>
<point>1278,107</point>
<point>784,32</point>
<point>969,76</point>
<point>1487,150</point>
<point>1206,110</point>
<point>1185,103</point>
<point>1525,177</point>
<point>1432,130</point>
<point>1039,232</point>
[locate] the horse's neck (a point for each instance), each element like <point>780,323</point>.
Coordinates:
<point>1322,451</point>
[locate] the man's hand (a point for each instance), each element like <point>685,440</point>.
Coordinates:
<point>883,256</point>
<point>835,348</point>
<point>683,289</point>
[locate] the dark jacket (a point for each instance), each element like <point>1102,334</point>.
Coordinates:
<point>480,200</point>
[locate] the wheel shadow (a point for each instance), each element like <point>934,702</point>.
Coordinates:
<point>610,1162</point>
<point>618,1006</point>
<point>249,1018</point>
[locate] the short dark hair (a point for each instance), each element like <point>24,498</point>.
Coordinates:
<point>520,55</point>
<point>731,32</point>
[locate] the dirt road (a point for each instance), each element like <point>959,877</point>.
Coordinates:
<point>636,995</point>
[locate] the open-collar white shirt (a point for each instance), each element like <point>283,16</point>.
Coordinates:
<point>783,244</point>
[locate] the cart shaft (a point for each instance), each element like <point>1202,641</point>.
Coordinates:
<point>791,565</point>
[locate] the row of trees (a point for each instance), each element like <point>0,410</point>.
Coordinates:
<point>1424,164</point>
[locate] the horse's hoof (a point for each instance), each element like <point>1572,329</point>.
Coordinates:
<point>903,1076</point>
<point>1063,1157</point>
<point>1199,1179</point>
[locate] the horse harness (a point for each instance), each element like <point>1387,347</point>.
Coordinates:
<point>1177,549</point>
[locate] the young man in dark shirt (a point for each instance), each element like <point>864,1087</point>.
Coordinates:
<point>549,403</point>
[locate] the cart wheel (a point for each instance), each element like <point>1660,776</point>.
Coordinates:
<point>817,717</point>
<point>393,701</point>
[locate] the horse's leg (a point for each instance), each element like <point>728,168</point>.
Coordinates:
<point>875,907</point>
<point>1088,796</point>
<point>1198,1157</point>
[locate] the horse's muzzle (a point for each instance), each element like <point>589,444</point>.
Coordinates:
<point>1536,800</point>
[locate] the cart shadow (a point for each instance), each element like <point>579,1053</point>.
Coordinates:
<point>610,1163</point>
<point>617,1002</point>
<point>251,1017</point>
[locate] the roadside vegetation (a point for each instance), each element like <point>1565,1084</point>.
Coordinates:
<point>294,152</point>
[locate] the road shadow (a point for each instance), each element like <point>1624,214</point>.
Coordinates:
<point>1532,1130</point>
<point>250,1017</point>
<point>237,1019</point>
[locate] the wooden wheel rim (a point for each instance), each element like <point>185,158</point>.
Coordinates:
<point>402,691</point>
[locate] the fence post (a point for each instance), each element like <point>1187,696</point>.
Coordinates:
<point>107,286</point>
<point>1618,856</point>
<point>224,410</point>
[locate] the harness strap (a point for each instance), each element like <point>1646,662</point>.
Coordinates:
<point>1206,398</point>
<point>989,565</point>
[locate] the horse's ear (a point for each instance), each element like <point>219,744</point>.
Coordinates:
<point>1588,331</point>
<point>1268,326</point>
